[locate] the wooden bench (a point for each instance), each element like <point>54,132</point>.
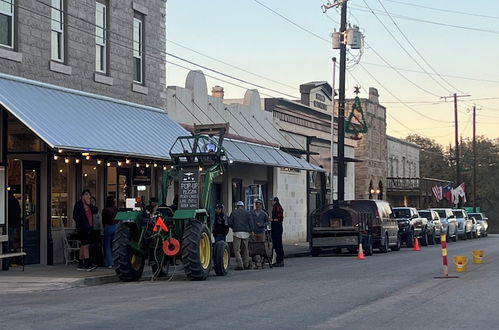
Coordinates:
<point>14,254</point>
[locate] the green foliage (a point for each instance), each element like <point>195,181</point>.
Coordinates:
<point>433,161</point>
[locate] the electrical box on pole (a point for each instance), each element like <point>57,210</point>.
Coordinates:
<point>354,37</point>
<point>336,39</point>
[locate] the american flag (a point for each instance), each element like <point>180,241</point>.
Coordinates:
<point>437,192</point>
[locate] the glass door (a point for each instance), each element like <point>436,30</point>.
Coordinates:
<point>31,211</point>
<point>123,186</point>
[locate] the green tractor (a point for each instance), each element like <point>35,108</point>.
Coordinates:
<point>165,236</point>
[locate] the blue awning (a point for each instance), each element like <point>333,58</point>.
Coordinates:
<point>78,121</point>
<point>247,152</point>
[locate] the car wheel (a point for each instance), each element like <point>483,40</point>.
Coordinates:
<point>367,245</point>
<point>386,245</point>
<point>315,252</point>
<point>409,240</point>
<point>399,242</point>
<point>424,238</point>
<point>431,238</point>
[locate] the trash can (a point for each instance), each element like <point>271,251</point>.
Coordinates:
<point>460,263</point>
<point>478,256</point>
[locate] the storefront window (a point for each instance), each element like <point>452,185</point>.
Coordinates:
<point>61,194</point>
<point>90,178</point>
<point>21,139</point>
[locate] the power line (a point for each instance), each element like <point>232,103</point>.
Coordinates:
<point>419,54</point>
<point>404,49</point>
<point>160,51</point>
<point>228,64</point>
<point>291,22</point>
<point>450,11</point>
<point>362,8</point>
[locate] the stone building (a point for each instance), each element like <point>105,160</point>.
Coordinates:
<point>82,99</point>
<point>371,150</point>
<point>88,45</point>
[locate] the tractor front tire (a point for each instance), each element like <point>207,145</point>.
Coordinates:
<point>128,264</point>
<point>196,250</point>
<point>221,258</point>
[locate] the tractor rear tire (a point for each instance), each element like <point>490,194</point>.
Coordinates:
<point>127,263</point>
<point>196,251</point>
<point>221,258</point>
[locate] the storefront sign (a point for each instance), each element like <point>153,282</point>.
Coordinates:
<point>188,197</point>
<point>141,176</point>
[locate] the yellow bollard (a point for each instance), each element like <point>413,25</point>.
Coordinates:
<point>478,256</point>
<point>461,263</point>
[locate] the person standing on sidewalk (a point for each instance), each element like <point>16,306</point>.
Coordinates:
<point>83,215</point>
<point>277,230</point>
<point>108,215</point>
<point>220,227</point>
<point>260,220</point>
<point>242,226</point>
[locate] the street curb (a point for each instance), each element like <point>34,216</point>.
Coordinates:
<point>108,279</point>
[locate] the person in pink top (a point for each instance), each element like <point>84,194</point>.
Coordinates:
<point>83,215</point>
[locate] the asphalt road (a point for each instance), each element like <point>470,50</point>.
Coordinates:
<point>392,291</point>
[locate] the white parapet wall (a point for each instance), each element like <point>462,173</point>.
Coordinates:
<point>291,188</point>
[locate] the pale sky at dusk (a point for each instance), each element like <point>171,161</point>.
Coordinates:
<point>245,34</point>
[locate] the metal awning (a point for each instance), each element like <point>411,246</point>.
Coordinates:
<point>83,122</point>
<point>247,152</point>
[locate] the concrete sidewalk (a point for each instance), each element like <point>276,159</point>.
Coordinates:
<point>38,278</point>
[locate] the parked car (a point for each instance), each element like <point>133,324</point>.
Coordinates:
<point>434,218</point>
<point>384,228</point>
<point>476,230</point>
<point>481,218</point>
<point>465,225</point>
<point>449,223</point>
<point>411,225</point>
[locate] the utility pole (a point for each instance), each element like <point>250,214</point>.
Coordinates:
<point>331,183</point>
<point>341,105</point>
<point>474,158</point>
<point>456,136</point>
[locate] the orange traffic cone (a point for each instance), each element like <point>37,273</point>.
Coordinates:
<point>416,244</point>
<point>360,255</point>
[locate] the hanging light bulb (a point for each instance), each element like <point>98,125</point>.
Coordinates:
<point>87,157</point>
<point>108,164</point>
<point>155,165</point>
<point>77,160</point>
<point>200,168</point>
<point>60,151</point>
<point>138,165</point>
<point>61,170</point>
<point>172,166</point>
<point>95,168</point>
<point>119,163</point>
<point>99,161</point>
<point>66,160</point>
<point>56,157</point>
<point>147,165</point>
<point>127,161</point>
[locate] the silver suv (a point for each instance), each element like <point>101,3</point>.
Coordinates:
<point>449,223</point>
<point>465,224</point>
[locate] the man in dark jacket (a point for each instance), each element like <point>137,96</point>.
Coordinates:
<point>83,215</point>
<point>242,226</point>
<point>276,227</point>
<point>220,227</point>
